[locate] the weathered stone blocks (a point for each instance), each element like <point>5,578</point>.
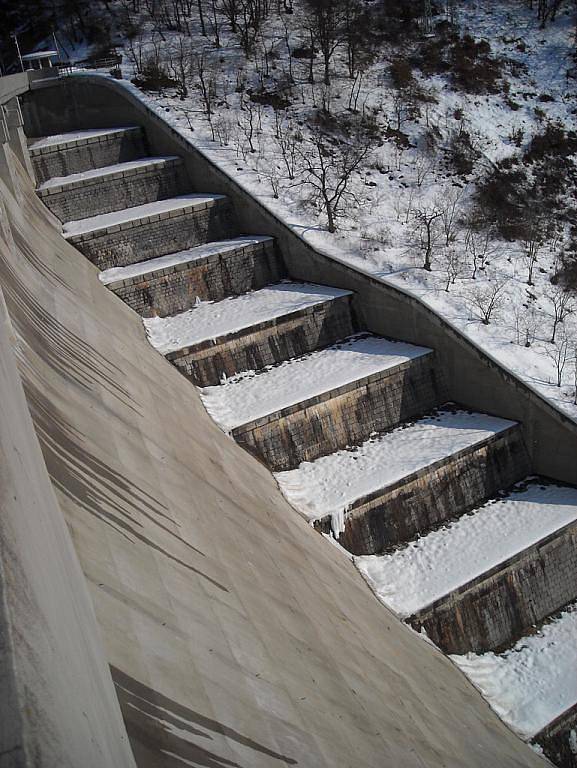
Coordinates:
<point>174,289</point>
<point>113,192</point>
<point>157,235</point>
<point>345,416</point>
<point>270,342</point>
<point>499,607</point>
<point>421,501</point>
<point>87,153</point>
<point>559,740</point>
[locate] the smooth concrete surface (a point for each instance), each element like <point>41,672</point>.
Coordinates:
<point>58,707</point>
<point>473,378</point>
<point>236,634</point>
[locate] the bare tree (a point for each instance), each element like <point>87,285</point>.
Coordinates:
<point>532,240</point>
<point>455,264</point>
<point>449,203</point>
<point>564,304</point>
<point>328,167</point>
<point>484,300</point>
<point>327,22</point>
<point>561,354</point>
<point>426,218</point>
<point>477,245</point>
<point>180,63</point>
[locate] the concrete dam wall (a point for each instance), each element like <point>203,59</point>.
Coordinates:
<point>235,634</point>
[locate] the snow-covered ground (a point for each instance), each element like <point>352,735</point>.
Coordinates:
<point>251,395</point>
<point>331,484</point>
<point>378,234</point>
<point>431,567</point>
<point>214,319</point>
<point>534,682</point>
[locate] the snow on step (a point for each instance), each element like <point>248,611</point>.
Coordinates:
<point>534,682</point>
<point>157,208</point>
<point>198,253</point>
<point>331,484</point>
<point>143,164</point>
<point>211,320</point>
<point>76,137</point>
<point>431,567</point>
<point>249,396</point>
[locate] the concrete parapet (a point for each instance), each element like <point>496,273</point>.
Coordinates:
<point>559,739</point>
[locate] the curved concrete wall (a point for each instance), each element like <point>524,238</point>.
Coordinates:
<point>237,636</point>
<point>57,703</point>
<point>473,378</point>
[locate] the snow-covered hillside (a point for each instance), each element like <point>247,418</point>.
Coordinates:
<point>435,133</point>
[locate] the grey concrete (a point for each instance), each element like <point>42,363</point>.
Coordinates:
<point>473,378</point>
<point>236,634</point>
<point>58,708</point>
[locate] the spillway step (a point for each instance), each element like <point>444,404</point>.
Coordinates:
<point>482,581</point>
<point>408,481</point>
<point>171,284</point>
<point>558,740</point>
<point>316,404</point>
<point>151,230</point>
<point>533,684</point>
<point>113,187</point>
<point>252,331</point>
<point>68,153</point>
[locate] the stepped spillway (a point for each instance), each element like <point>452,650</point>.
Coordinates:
<point>436,502</point>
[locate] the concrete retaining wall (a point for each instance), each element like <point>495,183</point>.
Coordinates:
<point>499,607</point>
<point>434,495</point>
<point>473,378</point>
<point>88,153</point>
<point>346,416</point>
<point>174,289</point>
<point>291,335</point>
<point>93,196</point>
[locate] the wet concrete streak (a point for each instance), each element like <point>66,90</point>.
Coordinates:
<point>148,715</point>
<point>93,485</point>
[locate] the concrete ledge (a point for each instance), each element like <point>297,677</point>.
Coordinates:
<point>558,739</point>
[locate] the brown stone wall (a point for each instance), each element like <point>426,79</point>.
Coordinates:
<point>272,342</point>
<point>103,195</point>
<point>174,289</point>
<point>346,416</point>
<point>96,153</point>
<point>138,241</point>
<point>434,495</point>
<point>558,742</point>
<point>499,607</point>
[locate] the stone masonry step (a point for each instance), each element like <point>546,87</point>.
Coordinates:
<point>319,403</point>
<point>252,331</point>
<point>481,582</point>
<point>533,685</point>
<point>114,187</point>
<point>151,230</point>
<point>173,283</point>
<point>406,482</point>
<point>69,153</point>
<point>558,740</point>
